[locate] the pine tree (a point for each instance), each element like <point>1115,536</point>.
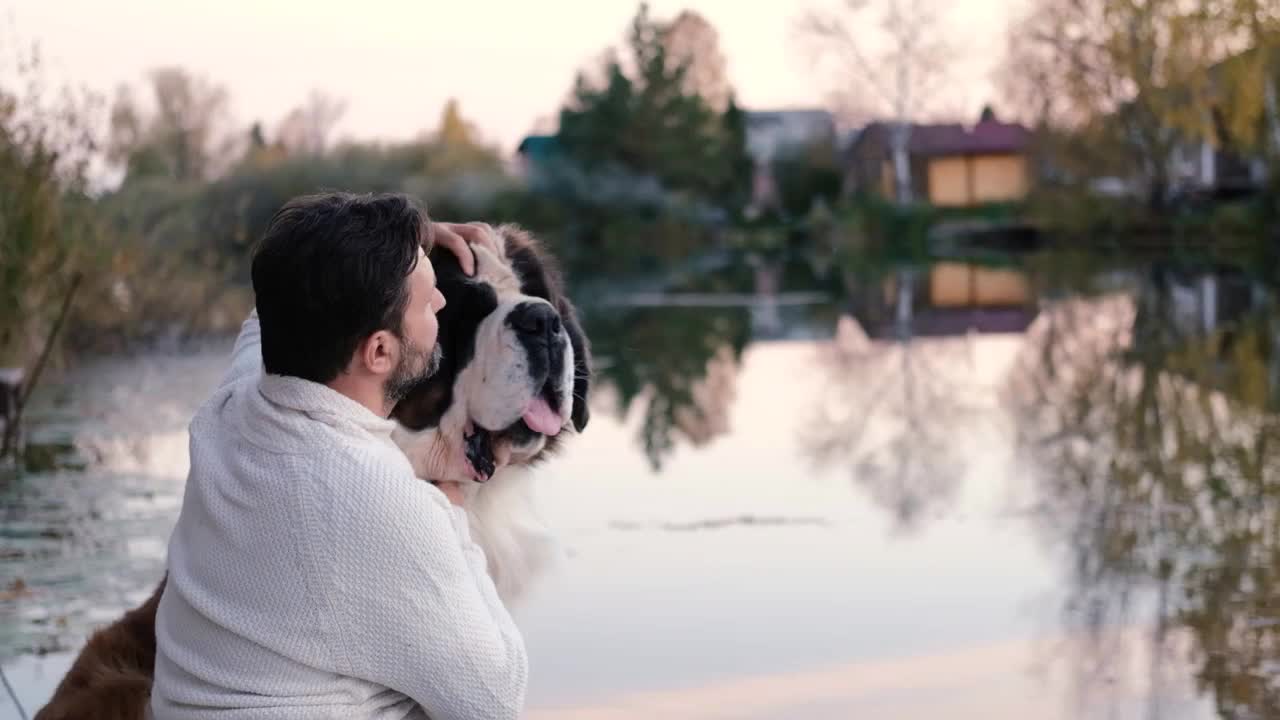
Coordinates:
<point>642,119</point>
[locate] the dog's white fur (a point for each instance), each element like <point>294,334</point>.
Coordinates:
<point>492,392</point>
<point>505,523</point>
<point>502,514</point>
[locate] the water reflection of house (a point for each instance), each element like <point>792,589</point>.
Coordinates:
<point>951,165</point>
<point>952,297</point>
<point>1192,304</point>
<point>1176,305</point>
<point>1210,310</point>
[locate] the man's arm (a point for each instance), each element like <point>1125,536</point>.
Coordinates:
<point>246,356</point>
<point>417,611</point>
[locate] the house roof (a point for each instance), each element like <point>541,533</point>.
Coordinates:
<point>538,146</point>
<point>988,136</point>
<point>770,132</point>
<point>802,115</point>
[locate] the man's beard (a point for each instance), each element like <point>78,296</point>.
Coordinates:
<point>416,366</point>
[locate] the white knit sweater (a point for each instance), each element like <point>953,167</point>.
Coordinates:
<point>311,575</point>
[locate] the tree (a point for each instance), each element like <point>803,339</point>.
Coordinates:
<point>1129,73</point>
<point>454,130</point>
<point>1134,79</point>
<point>456,148</point>
<point>692,42</point>
<point>306,129</point>
<point>807,175</point>
<point>686,391</point>
<point>1250,81</point>
<point>46,231</point>
<point>641,119</point>
<point>1156,474</point>
<point>740,167</point>
<point>898,80</point>
<point>897,417</point>
<point>182,139</point>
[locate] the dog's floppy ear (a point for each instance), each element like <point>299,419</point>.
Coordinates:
<point>581,363</point>
<point>539,277</point>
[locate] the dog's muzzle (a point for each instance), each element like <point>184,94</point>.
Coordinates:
<point>538,328</point>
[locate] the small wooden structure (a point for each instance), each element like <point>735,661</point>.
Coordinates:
<point>10,392</point>
<point>949,164</point>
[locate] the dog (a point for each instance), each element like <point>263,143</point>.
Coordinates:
<point>515,370</point>
<point>513,382</point>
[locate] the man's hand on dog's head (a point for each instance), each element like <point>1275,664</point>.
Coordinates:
<point>459,237</point>
<point>476,233</point>
<point>446,235</point>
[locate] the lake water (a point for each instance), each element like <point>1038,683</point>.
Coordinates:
<point>824,526</point>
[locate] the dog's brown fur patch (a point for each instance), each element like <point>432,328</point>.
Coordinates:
<point>111,677</point>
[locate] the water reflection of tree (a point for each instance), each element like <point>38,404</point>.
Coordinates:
<point>681,363</point>
<point>893,413</point>
<point>1158,458</point>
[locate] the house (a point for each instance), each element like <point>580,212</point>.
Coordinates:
<point>773,134</point>
<point>1200,166</point>
<point>1212,164</point>
<point>951,165</point>
<point>770,136</point>
<point>1229,161</point>
<point>535,152</point>
<point>1220,158</point>
<point>1217,165</point>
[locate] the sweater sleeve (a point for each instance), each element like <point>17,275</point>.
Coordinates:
<point>476,560</point>
<point>246,355</point>
<point>416,610</point>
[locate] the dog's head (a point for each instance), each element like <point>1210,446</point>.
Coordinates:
<point>516,366</point>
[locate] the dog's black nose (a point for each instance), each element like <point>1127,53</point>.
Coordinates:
<point>534,319</point>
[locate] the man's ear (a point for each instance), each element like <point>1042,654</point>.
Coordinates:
<point>376,354</point>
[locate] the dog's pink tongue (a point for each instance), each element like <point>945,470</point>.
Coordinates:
<point>539,416</point>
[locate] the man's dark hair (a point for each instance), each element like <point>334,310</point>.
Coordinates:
<point>330,271</point>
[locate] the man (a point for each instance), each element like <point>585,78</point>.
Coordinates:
<point>311,574</point>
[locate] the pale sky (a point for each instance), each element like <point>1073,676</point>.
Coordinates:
<point>396,62</point>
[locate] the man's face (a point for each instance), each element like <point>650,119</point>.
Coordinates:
<point>419,353</point>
